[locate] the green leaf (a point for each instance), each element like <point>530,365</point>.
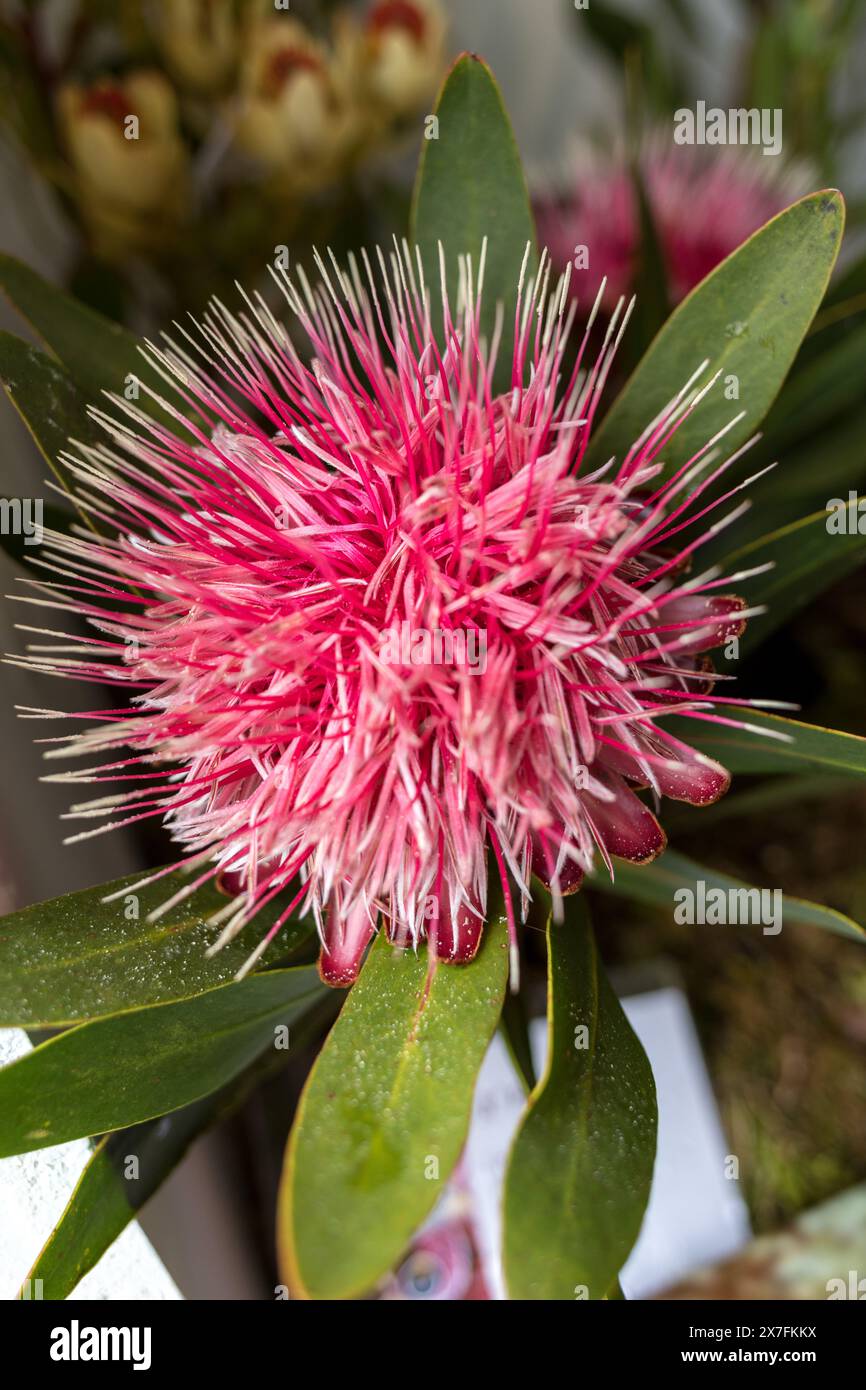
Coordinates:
<point>807,560</point>
<point>821,466</point>
<point>581,1165</point>
<point>47,399</point>
<point>53,410</point>
<point>747,318</point>
<point>470,185</point>
<point>652,307</point>
<point>98,354</point>
<point>121,1070</point>
<point>390,1093</point>
<point>514,1025</point>
<point>739,750</point>
<point>767,795</point>
<point>656,884</point>
<point>826,386</point>
<point>78,957</point>
<point>105,1199</point>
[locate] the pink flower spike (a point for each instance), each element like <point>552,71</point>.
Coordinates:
<point>384,630</point>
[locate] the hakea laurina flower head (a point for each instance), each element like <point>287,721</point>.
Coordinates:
<point>385,633</point>
<point>704,202</point>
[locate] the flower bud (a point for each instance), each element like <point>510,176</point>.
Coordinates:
<point>129,161</point>
<point>200,40</point>
<point>404,52</point>
<point>293,118</point>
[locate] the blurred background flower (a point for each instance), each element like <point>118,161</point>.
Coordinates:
<point>703,203</point>
<point>401,48</point>
<point>130,169</point>
<point>183,140</point>
<point>294,109</point>
<point>200,42</point>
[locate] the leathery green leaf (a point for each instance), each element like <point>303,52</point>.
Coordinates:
<point>384,1114</point>
<point>470,185</point>
<point>98,354</point>
<point>750,750</point>
<point>108,1195</point>
<point>657,884</point>
<point>80,957</point>
<point>132,1066</point>
<point>581,1165</point>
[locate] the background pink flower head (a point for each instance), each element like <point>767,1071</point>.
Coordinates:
<point>704,202</point>
<point>266,550</point>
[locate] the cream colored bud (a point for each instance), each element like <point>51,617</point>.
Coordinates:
<point>129,160</point>
<point>200,40</point>
<point>404,52</point>
<point>292,113</point>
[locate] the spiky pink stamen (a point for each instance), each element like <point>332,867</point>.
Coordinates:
<point>272,554</point>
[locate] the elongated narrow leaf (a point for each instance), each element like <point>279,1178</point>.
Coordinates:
<point>820,467</point>
<point>78,957</point>
<point>470,186</point>
<point>515,1031</point>
<point>847,294</point>
<point>384,1114</point>
<point>742,751</point>
<point>827,385</point>
<point>581,1165</point>
<point>767,795</point>
<point>657,883</point>
<point>121,1070</point>
<point>748,318</point>
<point>98,355</point>
<point>652,307</point>
<point>106,1199</point>
<point>807,559</point>
<point>111,1190</point>
<point>47,399</point>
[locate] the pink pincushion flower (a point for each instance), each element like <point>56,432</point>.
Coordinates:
<point>704,204</point>
<point>380,626</point>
